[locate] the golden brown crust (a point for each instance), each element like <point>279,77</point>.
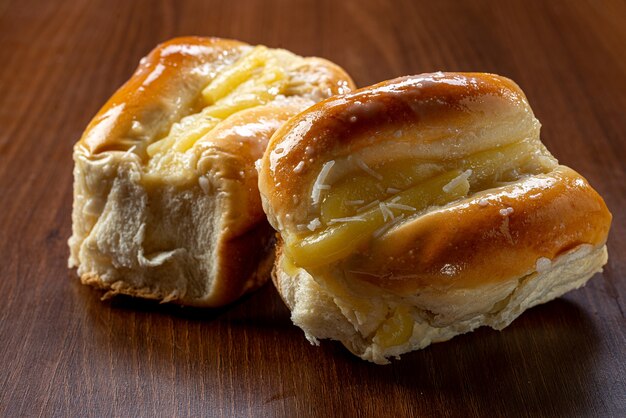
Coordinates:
<point>426,105</point>
<point>178,68</point>
<point>492,236</point>
<point>232,149</point>
<point>229,250</point>
<point>173,69</point>
<point>247,262</point>
<point>489,238</point>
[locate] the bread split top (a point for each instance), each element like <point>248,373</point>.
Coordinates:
<point>436,180</point>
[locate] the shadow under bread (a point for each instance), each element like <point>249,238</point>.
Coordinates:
<point>524,369</point>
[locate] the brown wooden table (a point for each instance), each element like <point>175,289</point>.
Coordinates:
<point>63,352</point>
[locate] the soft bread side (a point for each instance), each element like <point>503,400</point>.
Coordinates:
<point>378,325</point>
<point>166,204</point>
<point>423,207</point>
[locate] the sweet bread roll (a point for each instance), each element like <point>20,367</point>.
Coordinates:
<point>166,204</point>
<point>422,208</point>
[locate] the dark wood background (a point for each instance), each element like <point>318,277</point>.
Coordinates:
<point>63,352</point>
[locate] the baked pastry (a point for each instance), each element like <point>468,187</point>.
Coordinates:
<point>421,208</point>
<point>166,204</point>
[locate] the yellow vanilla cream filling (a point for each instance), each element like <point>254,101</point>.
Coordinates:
<point>257,78</point>
<point>359,208</point>
<point>356,211</point>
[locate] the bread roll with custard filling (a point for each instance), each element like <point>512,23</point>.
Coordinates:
<point>421,208</point>
<point>166,204</point>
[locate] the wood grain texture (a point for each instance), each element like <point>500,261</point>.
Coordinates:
<point>63,352</point>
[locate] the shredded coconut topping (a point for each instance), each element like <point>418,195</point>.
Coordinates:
<point>319,185</point>
<point>368,206</point>
<point>129,151</point>
<point>367,169</point>
<point>392,190</point>
<point>457,181</point>
<point>400,206</point>
<point>506,211</point>
<point>314,224</point>
<point>354,202</point>
<point>347,219</point>
<point>483,202</point>
<point>298,169</point>
<point>543,264</point>
<point>385,211</point>
<point>386,227</point>
<point>449,270</point>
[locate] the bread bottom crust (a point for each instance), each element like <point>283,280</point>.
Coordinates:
<point>354,317</point>
<point>121,287</point>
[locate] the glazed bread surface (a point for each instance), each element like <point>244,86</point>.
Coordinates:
<point>421,208</point>
<point>166,204</point>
